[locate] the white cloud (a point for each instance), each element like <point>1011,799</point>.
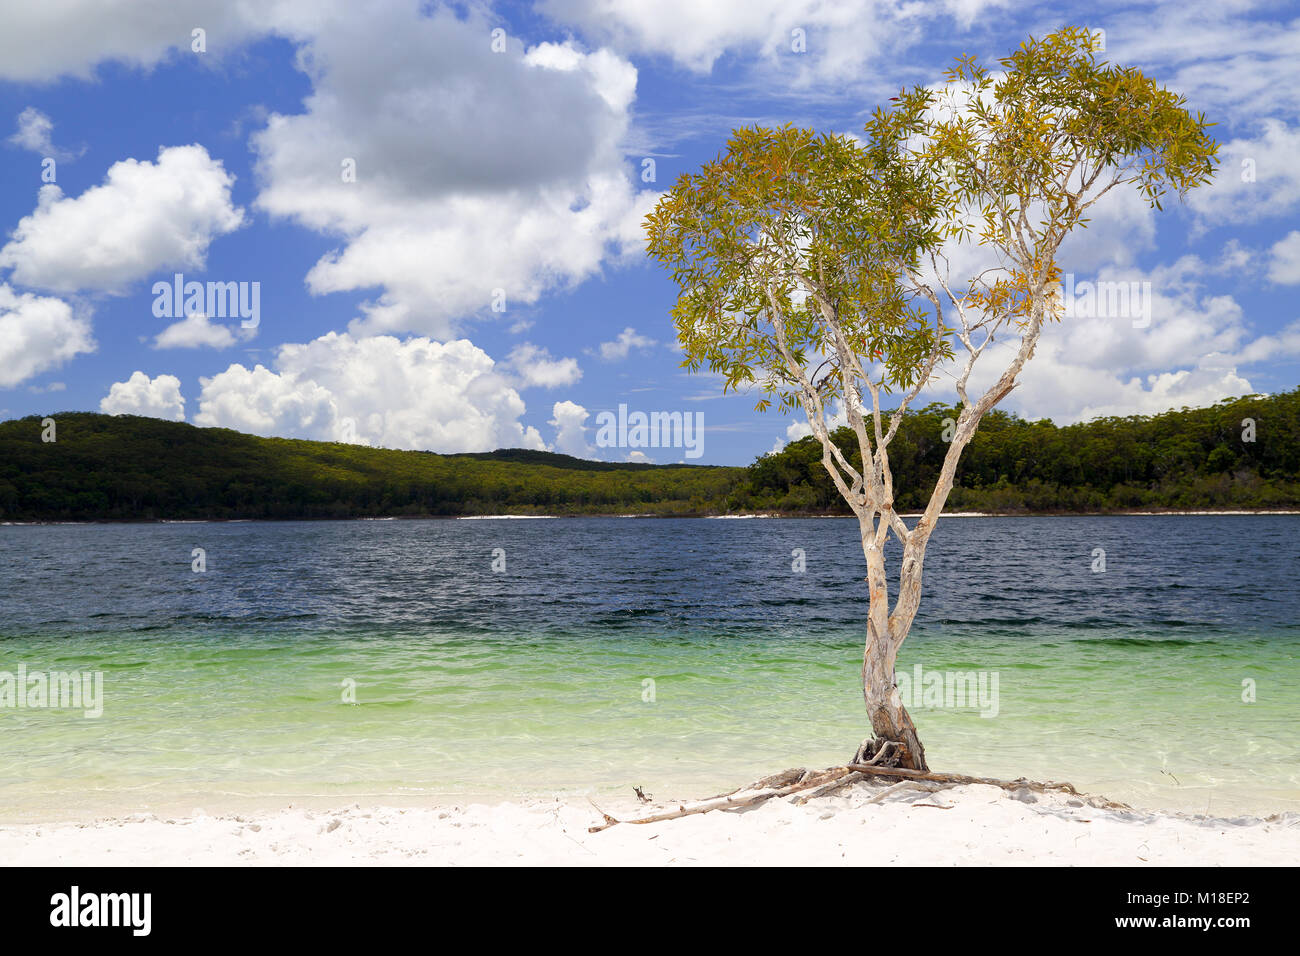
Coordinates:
<point>264,402</point>
<point>43,41</point>
<point>37,333</point>
<point>145,217</point>
<point>1228,59</point>
<point>193,332</point>
<point>1236,260</point>
<point>534,366</point>
<point>1121,225</point>
<point>1058,389</point>
<point>35,132</point>
<point>140,395</point>
<point>1258,178</point>
<point>1191,353</point>
<point>627,340</point>
<point>569,420</point>
<point>1196,351</point>
<point>475,171</point>
<point>1284,259</point>
<point>799,428</point>
<point>840,39</point>
<point>379,390</point>
<point>1284,344</point>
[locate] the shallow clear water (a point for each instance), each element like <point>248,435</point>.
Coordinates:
<point>227,687</point>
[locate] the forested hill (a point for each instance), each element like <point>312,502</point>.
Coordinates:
<point>115,467</point>
<point>127,467</point>
<point>1242,453</point>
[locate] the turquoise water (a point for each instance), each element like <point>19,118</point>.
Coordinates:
<point>353,661</point>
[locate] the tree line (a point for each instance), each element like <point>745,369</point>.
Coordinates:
<point>1242,453</point>
<point>125,467</point>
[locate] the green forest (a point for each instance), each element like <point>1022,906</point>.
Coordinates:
<point>127,467</point>
<point>1239,454</point>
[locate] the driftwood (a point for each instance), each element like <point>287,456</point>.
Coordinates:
<point>811,784</point>
<point>778,785</point>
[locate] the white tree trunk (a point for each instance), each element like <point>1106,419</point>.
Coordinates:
<point>890,721</point>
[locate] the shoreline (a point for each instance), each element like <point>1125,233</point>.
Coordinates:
<point>664,517</point>
<point>973,824</point>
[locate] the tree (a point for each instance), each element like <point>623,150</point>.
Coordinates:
<point>816,269</point>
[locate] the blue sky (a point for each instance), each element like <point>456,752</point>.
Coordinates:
<point>515,177</point>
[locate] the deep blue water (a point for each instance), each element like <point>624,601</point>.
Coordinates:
<point>1165,576</point>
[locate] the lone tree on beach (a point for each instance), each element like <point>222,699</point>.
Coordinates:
<point>821,271</point>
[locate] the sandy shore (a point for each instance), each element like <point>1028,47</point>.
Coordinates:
<point>979,825</point>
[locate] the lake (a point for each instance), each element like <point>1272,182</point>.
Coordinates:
<point>327,662</point>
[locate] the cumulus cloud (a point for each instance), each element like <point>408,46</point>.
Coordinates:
<point>1092,393</point>
<point>569,421</point>
<point>141,395</point>
<point>145,217</point>
<point>626,341</point>
<point>1177,344</point>
<point>37,333</point>
<point>479,176</point>
<point>264,402</point>
<point>1096,363</point>
<point>534,366</point>
<point>378,390</point>
<point>192,332</point>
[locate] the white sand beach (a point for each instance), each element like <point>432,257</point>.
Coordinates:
<point>967,825</point>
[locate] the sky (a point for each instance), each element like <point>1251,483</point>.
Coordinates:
<point>422,222</point>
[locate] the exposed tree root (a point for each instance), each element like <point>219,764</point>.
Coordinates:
<point>811,784</point>
<point>958,779</point>
<point>880,754</point>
